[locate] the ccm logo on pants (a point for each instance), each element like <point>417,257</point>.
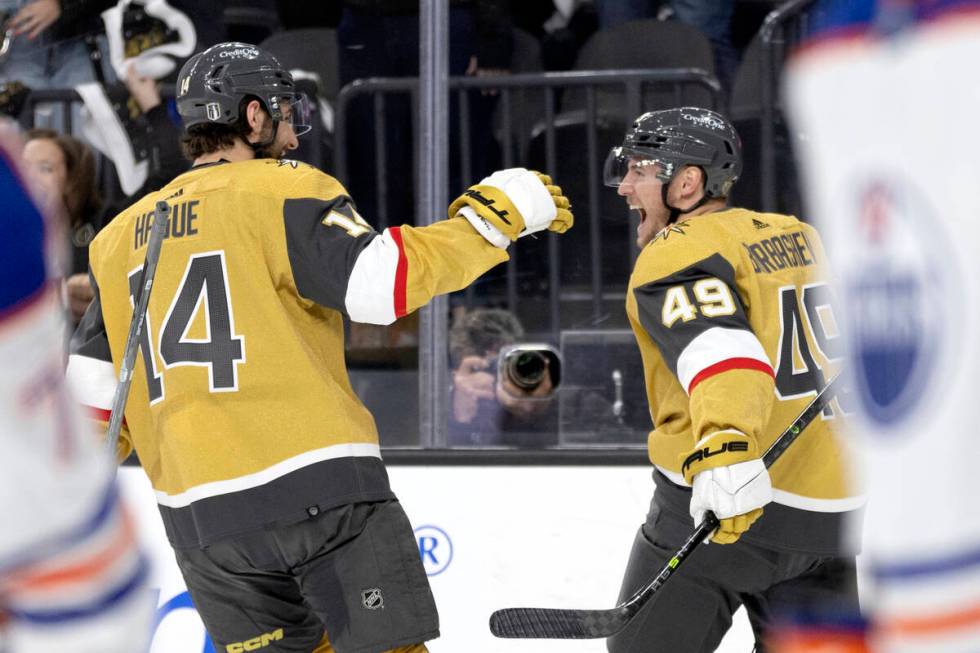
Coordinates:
<point>255,643</point>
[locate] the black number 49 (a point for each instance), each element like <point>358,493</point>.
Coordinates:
<point>803,314</point>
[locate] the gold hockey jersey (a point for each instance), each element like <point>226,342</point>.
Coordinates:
<point>241,411</point>
<point>733,314</point>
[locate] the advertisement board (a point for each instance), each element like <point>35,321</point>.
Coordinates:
<point>489,537</point>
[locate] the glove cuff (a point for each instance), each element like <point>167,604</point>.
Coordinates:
<point>483,227</point>
<point>718,450</point>
<point>491,204</point>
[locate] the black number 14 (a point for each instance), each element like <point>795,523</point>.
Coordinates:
<point>204,286</point>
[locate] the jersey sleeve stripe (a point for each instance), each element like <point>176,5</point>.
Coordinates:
<point>401,274</point>
<point>93,381</point>
<point>950,622</point>
<point>64,541</point>
<point>99,414</point>
<point>726,365</point>
<point>124,591</point>
<point>717,350</point>
<point>371,289</point>
<point>95,565</point>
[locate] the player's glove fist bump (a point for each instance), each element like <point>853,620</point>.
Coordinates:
<point>563,217</point>
<point>513,203</point>
<point>728,478</point>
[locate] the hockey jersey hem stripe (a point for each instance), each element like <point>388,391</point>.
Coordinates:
<point>95,564</point>
<point>720,345</point>
<point>268,474</point>
<point>64,541</point>
<point>955,620</point>
<point>950,563</point>
<point>788,499</point>
<point>781,527</point>
<point>124,591</point>
<point>305,493</point>
<point>811,504</point>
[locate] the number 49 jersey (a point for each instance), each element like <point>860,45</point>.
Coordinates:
<point>241,411</point>
<point>734,318</point>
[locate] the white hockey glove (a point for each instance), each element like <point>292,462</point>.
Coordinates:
<point>513,203</point>
<point>729,479</point>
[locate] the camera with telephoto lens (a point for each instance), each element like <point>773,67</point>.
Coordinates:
<point>527,366</point>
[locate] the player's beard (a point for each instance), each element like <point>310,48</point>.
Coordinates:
<point>271,151</point>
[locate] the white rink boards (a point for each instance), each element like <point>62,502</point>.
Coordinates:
<point>536,536</point>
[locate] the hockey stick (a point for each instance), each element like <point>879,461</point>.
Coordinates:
<point>557,623</point>
<point>157,231</point>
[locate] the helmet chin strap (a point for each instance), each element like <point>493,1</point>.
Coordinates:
<point>675,212</point>
<point>259,148</point>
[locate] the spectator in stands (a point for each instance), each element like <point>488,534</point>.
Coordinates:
<point>486,407</point>
<point>562,28</point>
<point>61,171</point>
<point>61,168</point>
<point>712,17</point>
<point>158,131</point>
<point>49,48</point>
<point>380,38</point>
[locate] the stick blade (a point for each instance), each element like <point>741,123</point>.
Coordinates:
<point>548,623</point>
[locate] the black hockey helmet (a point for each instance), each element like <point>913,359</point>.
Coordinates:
<point>212,84</point>
<point>674,138</point>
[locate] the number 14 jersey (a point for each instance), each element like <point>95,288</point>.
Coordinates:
<point>241,411</point>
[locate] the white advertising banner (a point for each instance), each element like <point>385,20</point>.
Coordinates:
<point>490,537</point>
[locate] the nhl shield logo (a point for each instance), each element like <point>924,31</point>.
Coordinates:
<point>372,599</point>
<point>214,111</point>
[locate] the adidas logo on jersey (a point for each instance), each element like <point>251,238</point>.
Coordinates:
<point>759,224</point>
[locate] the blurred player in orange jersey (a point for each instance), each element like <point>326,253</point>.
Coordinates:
<point>71,575</point>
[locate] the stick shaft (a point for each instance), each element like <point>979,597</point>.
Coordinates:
<point>710,523</point>
<point>589,624</point>
<point>157,232</point>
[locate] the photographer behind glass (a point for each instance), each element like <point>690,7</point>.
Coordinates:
<point>502,392</point>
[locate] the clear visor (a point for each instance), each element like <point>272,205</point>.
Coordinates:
<point>625,165</point>
<point>297,111</point>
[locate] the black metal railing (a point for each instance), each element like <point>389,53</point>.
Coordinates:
<point>782,30</point>
<point>601,99</point>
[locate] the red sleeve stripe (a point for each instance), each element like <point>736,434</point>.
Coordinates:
<point>730,364</point>
<point>100,414</point>
<point>401,274</point>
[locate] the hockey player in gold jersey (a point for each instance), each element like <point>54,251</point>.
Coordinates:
<point>734,318</point>
<point>265,464</point>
